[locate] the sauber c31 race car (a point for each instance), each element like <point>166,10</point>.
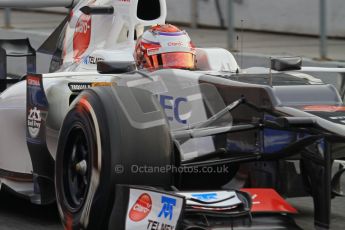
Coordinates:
<point>93,132</point>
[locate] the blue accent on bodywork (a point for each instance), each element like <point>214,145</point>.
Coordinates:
<point>205,196</point>
<point>37,97</point>
<point>268,140</point>
<point>239,146</point>
<point>276,140</point>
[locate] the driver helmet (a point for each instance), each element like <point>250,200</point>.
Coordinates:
<point>165,47</point>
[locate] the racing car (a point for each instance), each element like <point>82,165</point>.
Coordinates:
<point>76,134</point>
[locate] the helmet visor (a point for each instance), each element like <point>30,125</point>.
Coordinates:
<point>178,60</point>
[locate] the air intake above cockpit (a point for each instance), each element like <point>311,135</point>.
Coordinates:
<point>148,10</point>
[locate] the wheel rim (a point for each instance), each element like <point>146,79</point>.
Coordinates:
<point>76,169</point>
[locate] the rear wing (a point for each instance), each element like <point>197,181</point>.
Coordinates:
<point>15,48</point>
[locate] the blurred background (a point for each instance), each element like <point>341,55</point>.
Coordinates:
<point>309,28</point>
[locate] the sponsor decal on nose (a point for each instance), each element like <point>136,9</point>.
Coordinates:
<point>141,208</point>
<point>167,210</point>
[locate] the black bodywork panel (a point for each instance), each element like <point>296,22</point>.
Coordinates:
<point>42,162</point>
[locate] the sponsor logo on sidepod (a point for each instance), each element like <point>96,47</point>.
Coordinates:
<point>141,208</point>
<point>33,81</point>
<point>34,122</point>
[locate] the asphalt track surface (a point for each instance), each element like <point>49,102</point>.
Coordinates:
<point>18,214</point>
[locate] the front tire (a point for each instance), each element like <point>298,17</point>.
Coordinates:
<point>98,145</point>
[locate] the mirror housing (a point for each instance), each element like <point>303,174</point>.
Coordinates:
<point>286,63</point>
<point>115,67</point>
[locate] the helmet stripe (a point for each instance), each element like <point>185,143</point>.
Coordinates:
<point>172,34</point>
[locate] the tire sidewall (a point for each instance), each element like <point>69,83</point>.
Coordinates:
<point>90,116</point>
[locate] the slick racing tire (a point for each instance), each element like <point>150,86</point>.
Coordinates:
<point>108,137</point>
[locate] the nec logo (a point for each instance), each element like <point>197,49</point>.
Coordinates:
<point>141,208</point>
<point>168,207</point>
<point>173,104</point>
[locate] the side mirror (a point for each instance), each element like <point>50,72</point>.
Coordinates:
<point>97,10</point>
<point>286,63</point>
<point>116,67</point>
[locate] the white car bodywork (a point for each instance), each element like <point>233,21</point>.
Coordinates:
<point>109,38</point>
